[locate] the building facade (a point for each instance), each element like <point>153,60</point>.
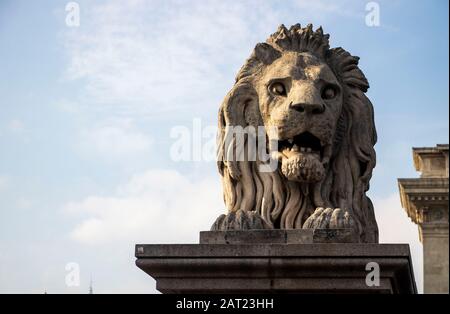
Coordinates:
<point>425,200</point>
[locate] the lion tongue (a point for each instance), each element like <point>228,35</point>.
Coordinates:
<point>302,166</point>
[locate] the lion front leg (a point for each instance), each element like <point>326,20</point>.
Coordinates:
<point>330,218</point>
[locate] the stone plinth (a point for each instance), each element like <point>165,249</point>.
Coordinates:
<point>280,267</point>
<point>425,200</point>
<point>293,236</point>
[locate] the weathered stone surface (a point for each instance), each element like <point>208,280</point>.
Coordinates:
<point>254,236</point>
<point>310,100</point>
<point>335,236</point>
<point>286,236</point>
<point>240,220</point>
<point>425,200</point>
<point>276,268</point>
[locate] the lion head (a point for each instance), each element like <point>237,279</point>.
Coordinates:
<point>313,100</point>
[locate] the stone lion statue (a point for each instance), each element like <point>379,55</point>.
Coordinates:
<point>314,98</point>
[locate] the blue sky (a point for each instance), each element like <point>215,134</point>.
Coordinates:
<point>86,114</point>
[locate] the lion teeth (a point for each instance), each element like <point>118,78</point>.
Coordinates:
<point>291,141</point>
<point>302,149</point>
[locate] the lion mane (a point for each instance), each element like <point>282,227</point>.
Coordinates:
<point>285,204</point>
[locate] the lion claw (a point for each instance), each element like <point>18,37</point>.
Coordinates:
<point>240,220</point>
<point>329,218</point>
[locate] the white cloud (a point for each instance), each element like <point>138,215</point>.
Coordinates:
<point>113,139</point>
<point>396,227</point>
<point>152,56</point>
<point>153,207</point>
<point>134,64</point>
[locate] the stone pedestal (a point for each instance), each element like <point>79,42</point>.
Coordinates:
<point>277,261</point>
<point>425,200</point>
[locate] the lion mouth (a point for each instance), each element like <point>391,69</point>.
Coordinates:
<point>302,158</point>
<point>301,143</point>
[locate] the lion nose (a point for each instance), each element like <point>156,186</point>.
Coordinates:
<point>308,108</point>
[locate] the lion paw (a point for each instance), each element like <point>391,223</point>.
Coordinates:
<point>330,218</point>
<point>240,220</point>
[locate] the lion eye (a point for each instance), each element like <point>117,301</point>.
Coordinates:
<point>329,92</point>
<point>277,88</point>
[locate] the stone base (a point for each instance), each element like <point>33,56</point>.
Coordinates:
<point>276,267</point>
<point>289,236</point>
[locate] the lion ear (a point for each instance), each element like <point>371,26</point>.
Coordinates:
<point>266,53</point>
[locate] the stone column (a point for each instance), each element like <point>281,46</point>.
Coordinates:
<point>425,199</point>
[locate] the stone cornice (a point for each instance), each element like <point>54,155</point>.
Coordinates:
<point>421,196</point>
